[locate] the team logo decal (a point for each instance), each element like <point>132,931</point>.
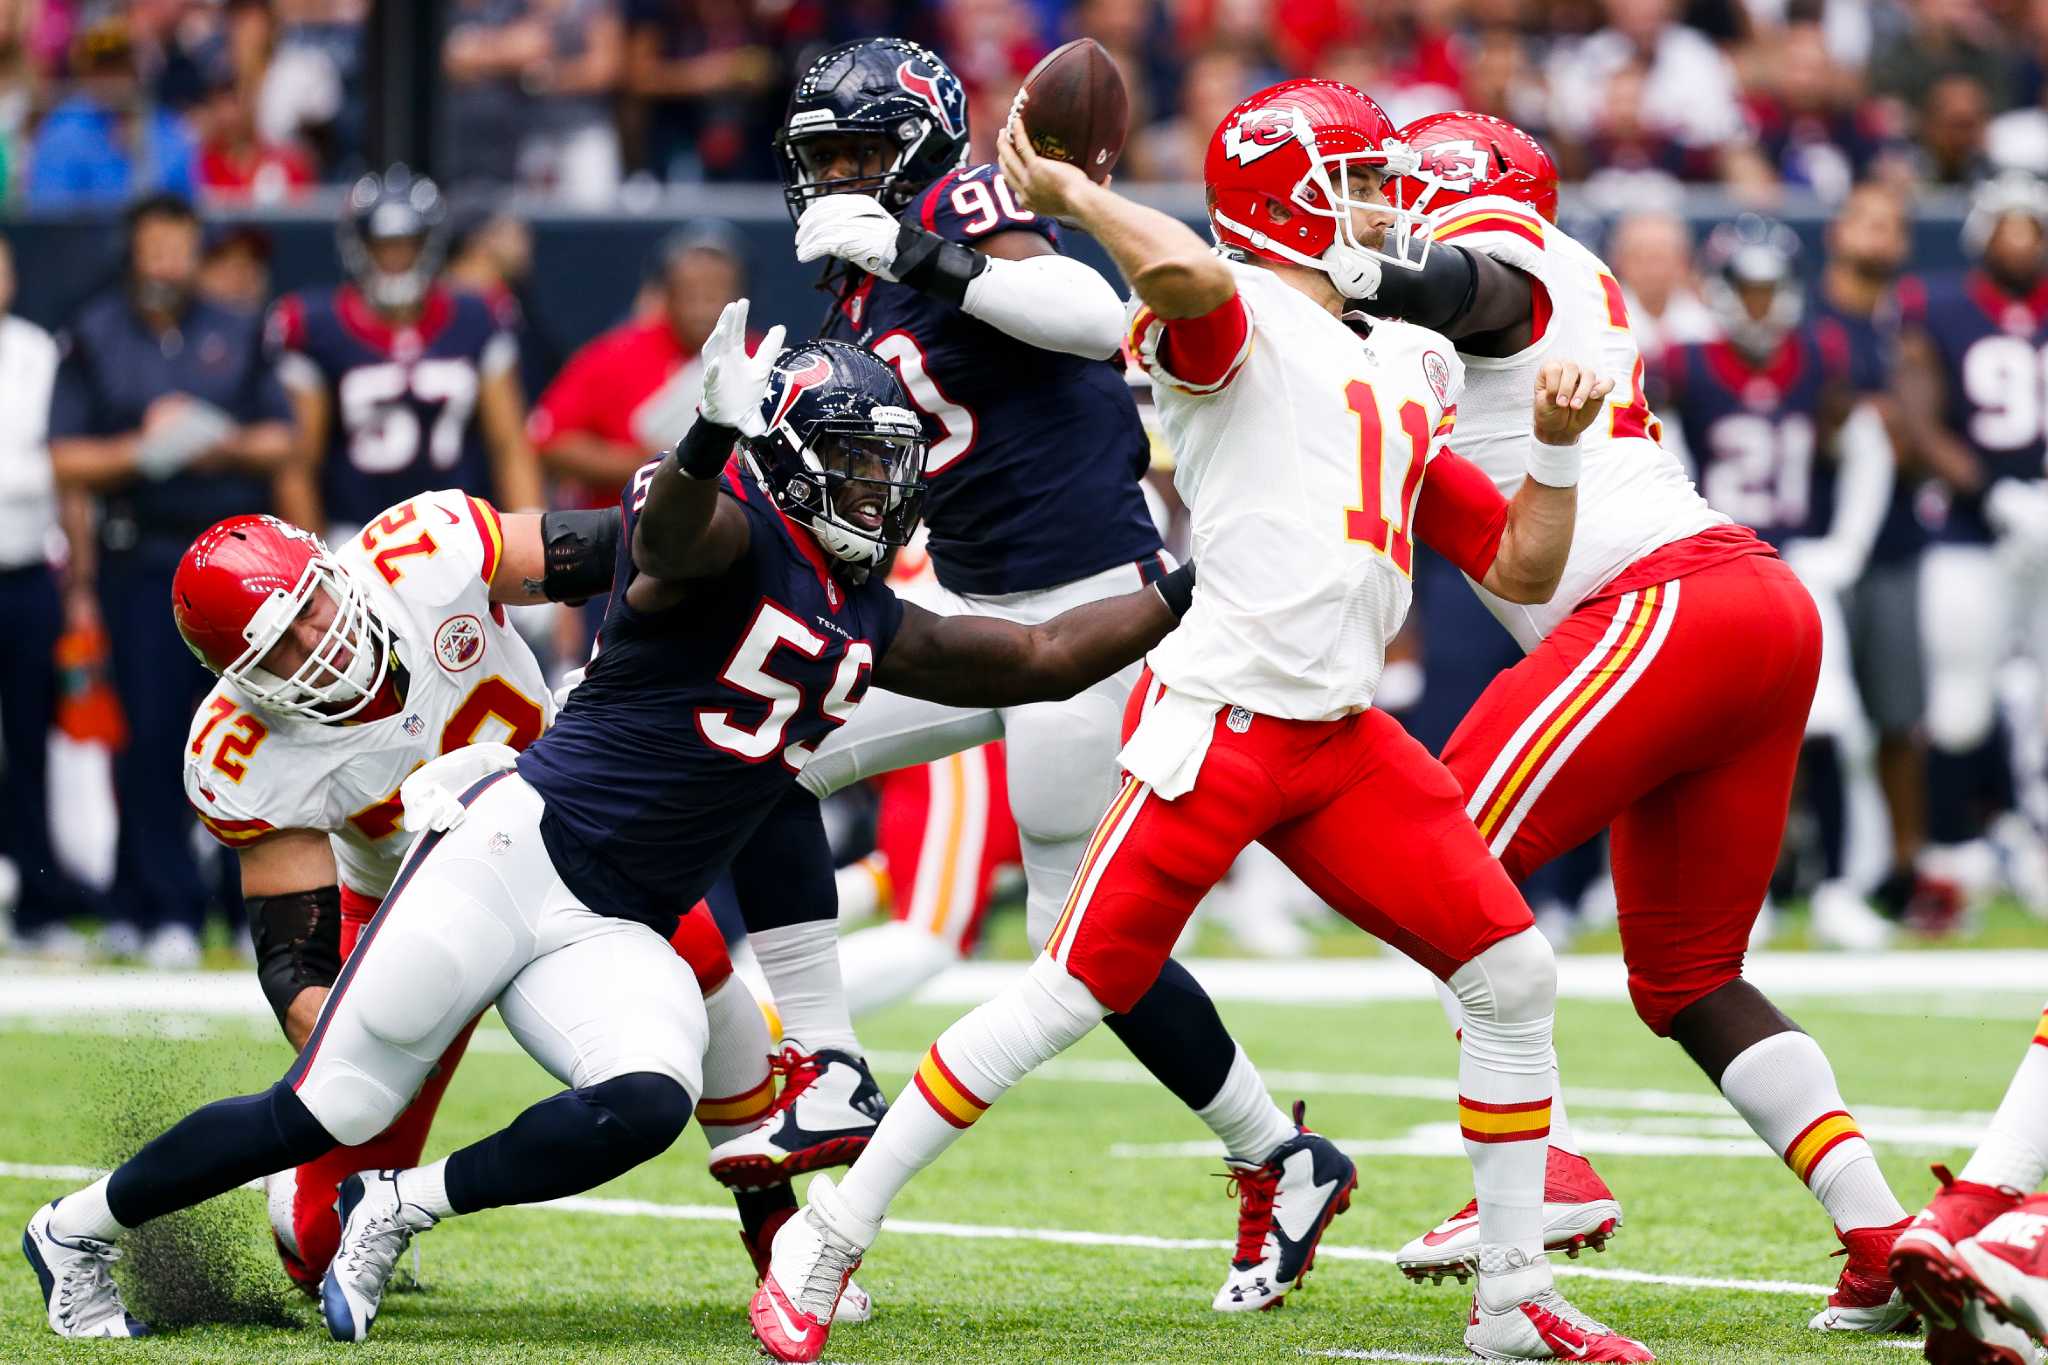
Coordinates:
<point>1257,133</point>
<point>459,643</point>
<point>1437,371</point>
<point>945,101</point>
<point>809,375</point>
<point>1456,163</point>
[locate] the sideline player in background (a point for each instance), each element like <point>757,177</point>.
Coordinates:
<point>1972,393</point>
<point>1308,454</point>
<point>1011,353</point>
<point>1664,695</point>
<point>1788,441</point>
<point>401,384</point>
<point>298,770</point>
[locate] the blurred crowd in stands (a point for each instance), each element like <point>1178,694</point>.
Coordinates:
<point>260,99</point>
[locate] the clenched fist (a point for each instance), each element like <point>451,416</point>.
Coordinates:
<point>1568,398</point>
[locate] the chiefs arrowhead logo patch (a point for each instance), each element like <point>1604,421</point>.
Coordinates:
<point>1257,133</point>
<point>459,643</point>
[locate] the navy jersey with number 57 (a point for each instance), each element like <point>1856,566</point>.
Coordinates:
<point>401,399</point>
<point>1994,353</point>
<point>1035,455</point>
<point>1755,429</point>
<point>693,722</point>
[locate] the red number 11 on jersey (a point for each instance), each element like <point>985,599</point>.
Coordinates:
<point>1372,523</point>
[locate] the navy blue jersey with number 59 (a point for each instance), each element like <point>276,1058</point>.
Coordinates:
<point>1035,455</point>
<point>693,722</point>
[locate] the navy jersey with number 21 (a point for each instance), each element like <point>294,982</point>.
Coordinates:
<point>1035,455</point>
<point>694,721</point>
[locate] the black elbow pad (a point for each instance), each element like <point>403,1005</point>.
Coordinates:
<point>581,552</point>
<point>298,943</point>
<point>1435,296</point>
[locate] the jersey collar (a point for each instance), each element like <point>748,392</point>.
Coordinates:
<point>373,328</point>
<point>2016,313</point>
<point>806,543</point>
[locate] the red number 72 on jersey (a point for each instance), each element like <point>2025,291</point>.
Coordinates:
<point>385,551</point>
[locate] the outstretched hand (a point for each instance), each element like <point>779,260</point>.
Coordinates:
<point>736,383</point>
<point>1568,399</point>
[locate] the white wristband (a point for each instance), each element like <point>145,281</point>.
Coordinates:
<point>1554,466</point>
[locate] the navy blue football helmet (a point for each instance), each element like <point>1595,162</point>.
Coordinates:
<point>889,89</point>
<point>843,453</point>
<point>394,206</point>
<point>1752,282</point>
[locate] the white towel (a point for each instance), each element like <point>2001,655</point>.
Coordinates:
<point>1167,749</point>
<point>433,794</point>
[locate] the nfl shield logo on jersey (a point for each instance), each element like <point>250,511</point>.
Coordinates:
<point>415,725</point>
<point>1239,720</point>
<point>459,643</point>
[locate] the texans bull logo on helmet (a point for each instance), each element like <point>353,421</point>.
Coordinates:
<point>814,371</point>
<point>1259,132</point>
<point>946,99</point>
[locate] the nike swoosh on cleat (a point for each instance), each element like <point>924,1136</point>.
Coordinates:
<point>1438,1236</point>
<point>798,1338</point>
<point>1302,1227</point>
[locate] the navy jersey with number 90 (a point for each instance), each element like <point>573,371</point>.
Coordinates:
<point>1035,455</point>
<point>694,721</point>
<point>401,399</point>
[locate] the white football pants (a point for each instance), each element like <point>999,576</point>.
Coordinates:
<point>1062,754</point>
<point>478,915</point>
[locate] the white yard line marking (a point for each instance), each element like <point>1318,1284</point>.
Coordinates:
<point>1353,1353</point>
<point>980,1232</point>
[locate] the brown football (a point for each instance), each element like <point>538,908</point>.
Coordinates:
<point>1075,107</point>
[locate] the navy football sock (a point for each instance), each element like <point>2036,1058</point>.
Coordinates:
<point>1821,765</point>
<point>1175,1032</point>
<point>571,1142</point>
<point>212,1150</point>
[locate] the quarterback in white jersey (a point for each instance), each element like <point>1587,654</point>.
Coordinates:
<point>399,652</point>
<point>1664,698</point>
<point>1311,457</point>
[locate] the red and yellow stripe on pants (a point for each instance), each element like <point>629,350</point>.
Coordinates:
<point>1109,832</point>
<point>2041,1031</point>
<point>1479,1121</point>
<point>955,1103</point>
<point>1552,731</point>
<point>1817,1139</point>
<point>738,1111</point>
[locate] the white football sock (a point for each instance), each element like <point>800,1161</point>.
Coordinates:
<point>738,1091</point>
<point>886,962</point>
<point>1506,1073</point>
<point>2011,1154</point>
<point>426,1187</point>
<point>1786,1090</point>
<point>85,1214</point>
<point>1244,1116</point>
<point>801,962</point>
<point>1561,1137</point>
<point>968,1069</point>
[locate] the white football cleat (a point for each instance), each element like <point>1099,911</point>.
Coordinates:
<point>855,1304</point>
<point>1284,1206</point>
<point>79,1294</point>
<point>1579,1214</point>
<point>1546,1327</point>
<point>376,1228</point>
<point>828,1109</point>
<point>855,1307</point>
<point>814,1255</point>
<point>1843,919</point>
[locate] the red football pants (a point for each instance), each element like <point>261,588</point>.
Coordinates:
<point>1355,807</point>
<point>1673,713</point>
<point>315,1224</point>
<point>944,829</point>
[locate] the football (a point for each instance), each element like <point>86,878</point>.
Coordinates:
<point>1075,109</point>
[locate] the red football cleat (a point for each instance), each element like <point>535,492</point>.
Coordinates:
<point>1865,1299</point>
<point>1922,1261</point>
<point>2008,1266</point>
<point>1579,1214</point>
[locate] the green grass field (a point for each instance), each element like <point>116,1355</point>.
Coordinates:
<point>1087,1148</point>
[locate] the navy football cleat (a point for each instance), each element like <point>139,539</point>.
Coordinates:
<point>828,1109</point>
<point>376,1228</point>
<point>1284,1206</point>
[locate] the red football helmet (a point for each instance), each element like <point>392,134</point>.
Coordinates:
<point>1296,145</point>
<point>1465,155</point>
<point>240,587</point>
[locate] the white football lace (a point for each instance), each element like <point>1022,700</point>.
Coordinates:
<point>377,1246</point>
<point>1556,1304</point>
<point>86,1283</point>
<point>827,1272</point>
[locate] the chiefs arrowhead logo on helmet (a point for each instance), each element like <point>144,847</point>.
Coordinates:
<point>1455,163</point>
<point>927,88</point>
<point>1257,133</point>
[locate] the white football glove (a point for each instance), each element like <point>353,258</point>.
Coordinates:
<point>735,383</point>
<point>853,227</point>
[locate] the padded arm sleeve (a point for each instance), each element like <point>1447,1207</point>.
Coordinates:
<point>582,552</point>
<point>297,937</point>
<point>1053,302</point>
